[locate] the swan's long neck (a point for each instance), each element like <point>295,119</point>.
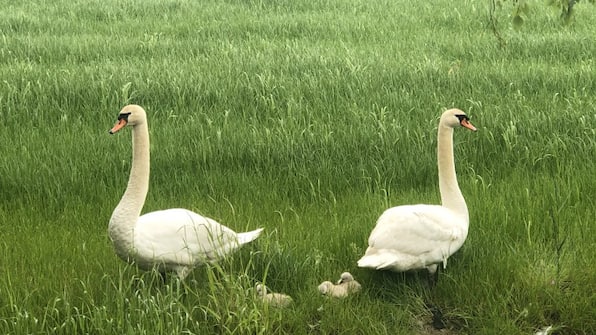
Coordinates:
<point>126,214</point>
<point>451,196</point>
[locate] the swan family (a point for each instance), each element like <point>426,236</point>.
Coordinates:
<point>408,237</point>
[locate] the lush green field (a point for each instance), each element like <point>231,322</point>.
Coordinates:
<point>308,118</point>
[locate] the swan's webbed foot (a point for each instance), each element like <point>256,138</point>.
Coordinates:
<point>437,317</point>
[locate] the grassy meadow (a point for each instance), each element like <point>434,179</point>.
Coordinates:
<point>307,118</point>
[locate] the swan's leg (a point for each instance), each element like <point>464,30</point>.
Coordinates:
<point>433,275</point>
<point>437,315</point>
<point>163,276</point>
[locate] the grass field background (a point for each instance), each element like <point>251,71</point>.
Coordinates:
<point>307,118</point>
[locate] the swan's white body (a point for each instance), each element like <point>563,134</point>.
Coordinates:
<point>168,240</point>
<point>421,236</point>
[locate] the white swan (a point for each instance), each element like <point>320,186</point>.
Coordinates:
<point>168,240</point>
<point>415,237</point>
<point>274,299</point>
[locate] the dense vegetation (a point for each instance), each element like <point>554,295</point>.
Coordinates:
<point>308,118</point>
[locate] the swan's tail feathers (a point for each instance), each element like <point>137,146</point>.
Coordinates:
<point>249,236</point>
<point>377,260</point>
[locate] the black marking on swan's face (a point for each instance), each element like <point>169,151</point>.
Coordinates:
<point>462,117</point>
<point>123,116</point>
<point>464,121</point>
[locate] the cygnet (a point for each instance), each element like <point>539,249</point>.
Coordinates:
<point>329,289</point>
<point>348,281</point>
<point>345,286</point>
<point>273,299</point>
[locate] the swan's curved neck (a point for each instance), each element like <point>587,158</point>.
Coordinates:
<point>127,212</point>
<point>451,196</point>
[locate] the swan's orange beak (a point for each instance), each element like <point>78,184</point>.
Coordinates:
<point>467,124</point>
<point>119,125</point>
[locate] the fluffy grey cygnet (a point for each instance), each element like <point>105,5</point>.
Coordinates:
<point>273,299</point>
<point>348,281</point>
<point>345,286</point>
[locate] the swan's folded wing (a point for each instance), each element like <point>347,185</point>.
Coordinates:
<point>179,236</point>
<point>417,230</point>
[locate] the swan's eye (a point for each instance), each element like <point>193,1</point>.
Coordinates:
<point>123,116</point>
<point>462,117</point>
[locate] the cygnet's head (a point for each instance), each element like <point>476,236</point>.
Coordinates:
<point>261,289</point>
<point>345,277</point>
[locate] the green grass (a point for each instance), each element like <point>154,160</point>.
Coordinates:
<point>308,118</point>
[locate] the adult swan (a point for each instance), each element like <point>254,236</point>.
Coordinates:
<point>415,237</point>
<point>168,240</point>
